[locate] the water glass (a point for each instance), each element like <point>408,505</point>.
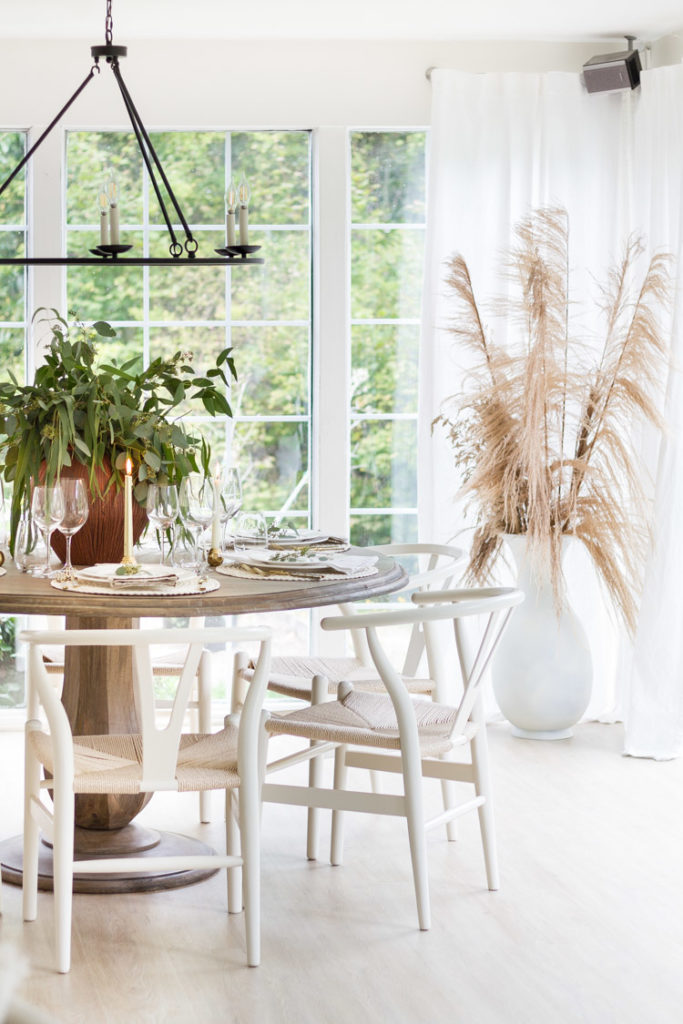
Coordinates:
<point>76,509</point>
<point>250,531</point>
<point>47,511</point>
<point>163,509</point>
<point>29,546</point>
<point>230,499</point>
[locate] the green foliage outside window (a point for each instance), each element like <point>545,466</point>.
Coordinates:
<point>203,310</point>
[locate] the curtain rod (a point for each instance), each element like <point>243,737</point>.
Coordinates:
<point>428,72</point>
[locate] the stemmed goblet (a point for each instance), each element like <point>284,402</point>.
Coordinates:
<point>163,508</point>
<point>47,510</point>
<point>230,500</point>
<point>196,509</point>
<point>75,515</point>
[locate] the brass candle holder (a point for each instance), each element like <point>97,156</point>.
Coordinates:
<point>214,558</point>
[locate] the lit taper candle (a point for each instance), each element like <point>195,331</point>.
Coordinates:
<point>216,521</point>
<point>128,558</point>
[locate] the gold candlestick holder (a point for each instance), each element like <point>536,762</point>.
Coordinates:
<point>214,558</point>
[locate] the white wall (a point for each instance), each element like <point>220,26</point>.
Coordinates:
<point>257,83</point>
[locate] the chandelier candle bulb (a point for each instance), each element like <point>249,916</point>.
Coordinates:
<point>113,194</point>
<point>104,219</point>
<point>230,204</point>
<point>128,558</point>
<point>243,196</point>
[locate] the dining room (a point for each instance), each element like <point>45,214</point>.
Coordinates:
<point>340,463</point>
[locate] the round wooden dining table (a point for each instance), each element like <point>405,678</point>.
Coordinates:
<point>98,695</point>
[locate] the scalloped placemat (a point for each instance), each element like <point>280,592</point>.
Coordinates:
<point>180,590</point>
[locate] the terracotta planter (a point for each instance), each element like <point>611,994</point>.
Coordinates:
<point>101,538</point>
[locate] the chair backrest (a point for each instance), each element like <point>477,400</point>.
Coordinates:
<point>427,565</point>
<point>159,745</point>
<point>495,603</point>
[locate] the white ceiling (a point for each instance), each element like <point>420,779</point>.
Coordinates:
<point>344,19</point>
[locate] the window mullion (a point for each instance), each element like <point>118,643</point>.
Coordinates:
<point>331,332</point>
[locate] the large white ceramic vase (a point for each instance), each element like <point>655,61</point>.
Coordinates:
<point>542,671</point>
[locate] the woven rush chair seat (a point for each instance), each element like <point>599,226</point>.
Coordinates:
<point>113,764</point>
<point>369,720</point>
<point>291,676</point>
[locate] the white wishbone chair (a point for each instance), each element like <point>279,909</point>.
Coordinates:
<point>315,679</point>
<point>167,662</point>
<point>156,759</point>
<point>417,733</point>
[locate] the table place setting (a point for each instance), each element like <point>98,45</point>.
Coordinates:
<point>111,577</point>
<point>303,564</point>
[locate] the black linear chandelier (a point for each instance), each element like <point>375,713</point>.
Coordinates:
<point>181,254</point>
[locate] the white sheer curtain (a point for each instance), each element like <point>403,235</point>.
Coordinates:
<point>501,145</point>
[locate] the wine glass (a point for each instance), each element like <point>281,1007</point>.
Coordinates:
<point>162,509</point>
<point>230,499</point>
<point>251,531</point>
<point>196,508</point>
<point>47,510</point>
<point>76,509</point>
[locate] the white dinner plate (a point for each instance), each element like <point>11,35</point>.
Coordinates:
<point>107,571</point>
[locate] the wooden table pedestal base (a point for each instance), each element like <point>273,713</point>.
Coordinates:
<point>132,839</point>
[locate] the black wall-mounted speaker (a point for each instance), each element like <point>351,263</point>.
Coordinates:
<point>612,71</point>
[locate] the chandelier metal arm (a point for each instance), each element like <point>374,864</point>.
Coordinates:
<point>147,151</point>
<point>140,135</point>
<point>55,120</point>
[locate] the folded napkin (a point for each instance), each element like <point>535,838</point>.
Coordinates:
<point>141,579</point>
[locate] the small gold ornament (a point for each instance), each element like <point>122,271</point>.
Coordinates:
<point>214,558</point>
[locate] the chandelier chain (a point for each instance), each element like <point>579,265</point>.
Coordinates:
<point>108,25</point>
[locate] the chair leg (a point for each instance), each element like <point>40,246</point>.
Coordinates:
<point>31,833</point>
<point>63,863</point>
<point>482,785</point>
<point>250,812</point>
<point>448,794</point>
<point>319,693</point>
<point>232,848</point>
<point>337,838</point>
<point>412,782</point>
<point>204,713</point>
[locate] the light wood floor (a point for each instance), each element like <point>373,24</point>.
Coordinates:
<point>588,925</point>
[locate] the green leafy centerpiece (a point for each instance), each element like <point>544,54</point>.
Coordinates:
<point>83,417</point>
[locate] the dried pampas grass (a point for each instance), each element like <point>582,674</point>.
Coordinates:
<point>542,432</point>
